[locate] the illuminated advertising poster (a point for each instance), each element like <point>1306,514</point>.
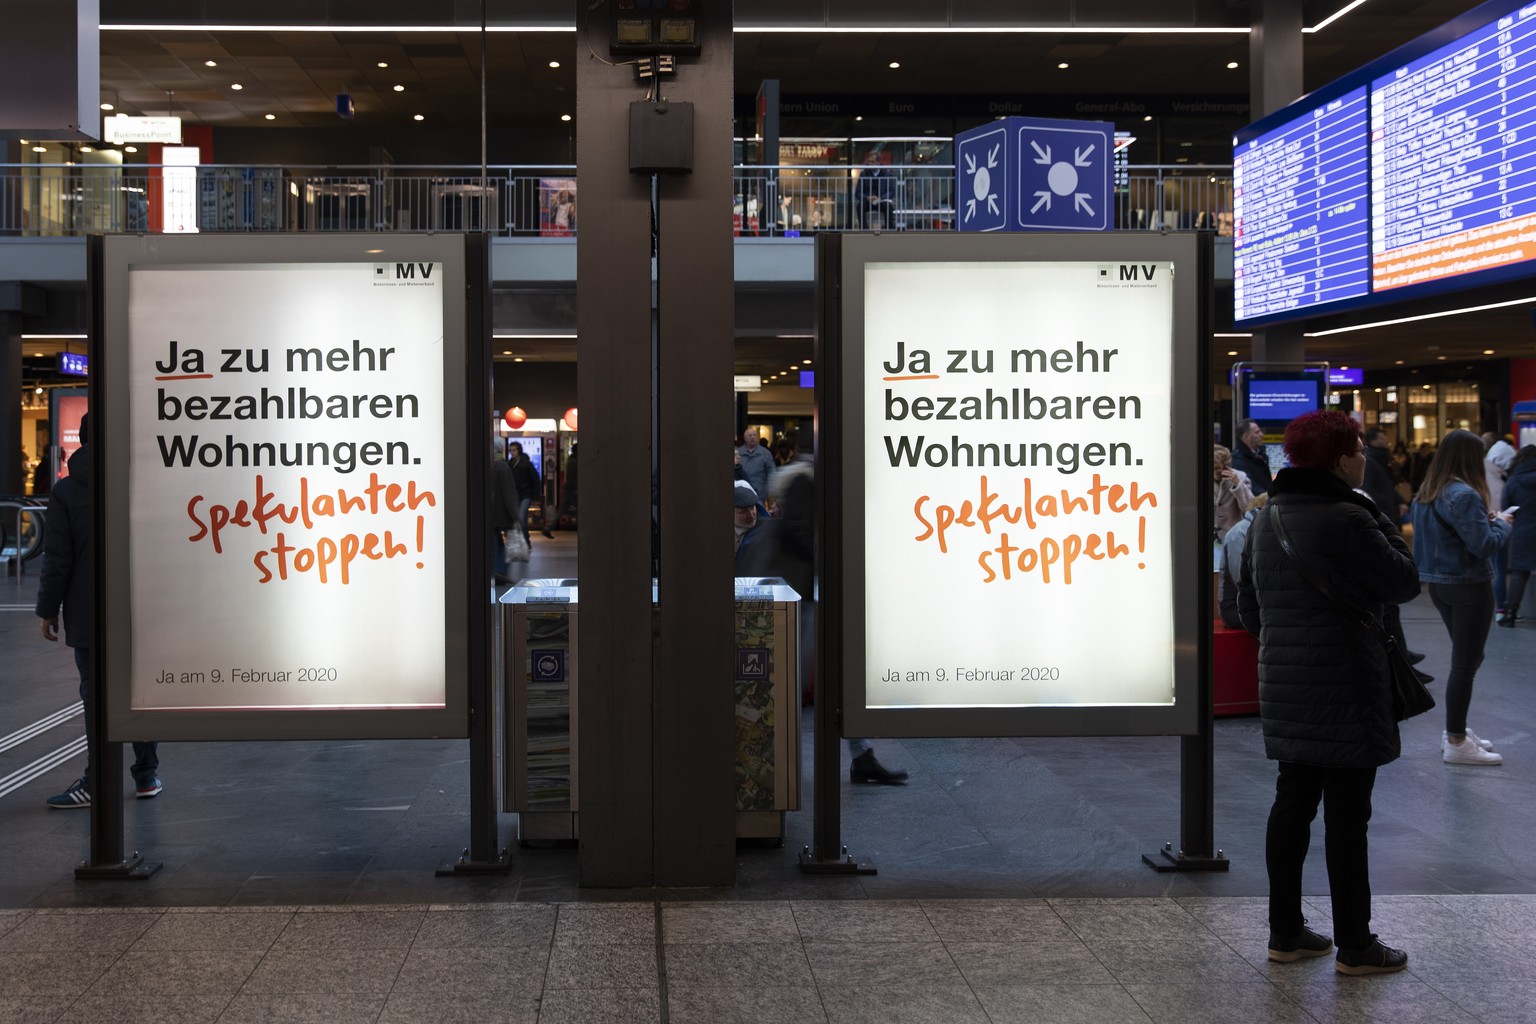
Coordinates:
<point>1018,539</point>
<point>286,485</point>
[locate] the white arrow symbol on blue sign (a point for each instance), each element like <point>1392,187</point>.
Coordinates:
<point>1062,177</point>
<point>981,182</point>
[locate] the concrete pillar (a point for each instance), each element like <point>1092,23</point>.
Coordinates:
<point>1275,79</point>
<point>656,706</point>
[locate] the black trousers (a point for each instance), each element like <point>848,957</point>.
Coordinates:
<point>1345,794</point>
<point>1467,610</point>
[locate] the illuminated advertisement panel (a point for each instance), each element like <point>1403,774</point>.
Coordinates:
<point>1017,408</point>
<point>291,546</point>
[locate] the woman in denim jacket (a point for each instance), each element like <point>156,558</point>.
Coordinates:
<point>1454,539</point>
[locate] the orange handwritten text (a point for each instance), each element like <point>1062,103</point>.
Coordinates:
<point>375,498</point>
<point>1052,557</point>
<point>330,558</point>
<point>1096,499</point>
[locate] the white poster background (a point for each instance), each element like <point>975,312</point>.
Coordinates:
<point>938,635</point>
<point>207,632</point>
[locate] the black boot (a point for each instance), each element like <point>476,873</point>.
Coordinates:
<point>866,769</point>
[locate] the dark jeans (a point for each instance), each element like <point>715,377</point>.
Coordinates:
<point>1518,578</point>
<point>1467,610</point>
<point>1346,797</point>
<point>146,757</point>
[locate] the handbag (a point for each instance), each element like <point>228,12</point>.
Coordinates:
<point>514,545</point>
<point>1409,696</point>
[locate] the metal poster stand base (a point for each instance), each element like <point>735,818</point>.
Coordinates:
<point>1166,860</point>
<point>844,865</point>
<point>134,869</point>
<point>464,867</point>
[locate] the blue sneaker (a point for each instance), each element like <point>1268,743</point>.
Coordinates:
<point>75,796</point>
<point>147,788</point>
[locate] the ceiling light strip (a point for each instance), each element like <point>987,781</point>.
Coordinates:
<point>1421,316</point>
<point>1335,16</point>
<point>940,30</point>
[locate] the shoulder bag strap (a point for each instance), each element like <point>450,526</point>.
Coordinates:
<point>1366,618</point>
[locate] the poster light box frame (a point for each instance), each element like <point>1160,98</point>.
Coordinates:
<point>1185,438</point>
<point>122,256</point>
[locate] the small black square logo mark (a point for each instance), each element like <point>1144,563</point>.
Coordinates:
<point>547,666</point>
<point>751,663</point>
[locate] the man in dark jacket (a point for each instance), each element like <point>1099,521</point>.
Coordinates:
<point>1380,482</point>
<point>1324,683</point>
<point>69,559</point>
<point>526,478</point>
<point>1248,455</point>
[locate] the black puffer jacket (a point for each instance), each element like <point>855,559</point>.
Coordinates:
<point>1323,679</point>
<point>69,553</point>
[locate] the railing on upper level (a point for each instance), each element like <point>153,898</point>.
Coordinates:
<point>84,199</point>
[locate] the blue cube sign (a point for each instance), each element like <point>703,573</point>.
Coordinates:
<point>1034,174</point>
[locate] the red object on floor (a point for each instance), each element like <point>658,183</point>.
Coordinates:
<point>1235,666</point>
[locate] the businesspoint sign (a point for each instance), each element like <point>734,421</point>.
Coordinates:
<point>292,540</point>
<point>1019,525</point>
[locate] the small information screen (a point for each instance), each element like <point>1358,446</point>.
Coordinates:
<point>1300,212</point>
<point>1453,135</point>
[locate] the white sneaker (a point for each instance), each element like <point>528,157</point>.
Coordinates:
<point>1474,737</point>
<point>1468,752</point>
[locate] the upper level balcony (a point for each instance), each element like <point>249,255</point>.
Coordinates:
<point>523,207</point>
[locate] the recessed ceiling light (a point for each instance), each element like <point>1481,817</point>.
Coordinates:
<point>565,117</point>
<point>130,149</point>
<point>1147,118</point>
<point>383,63</point>
<point>236,86</point>
<point>1232,352</point>
<point>1063,65</point>
<point>1186,145</point>
<point>554,63</point>
<point>805,362</point>
<point>39,149</point>
<point>399,88</point>
<point>518,359</point>
<point>37,355</point>
<point>271,117</point>
<point>87,149</point>
<point>1487,351</point>
<point>210,63</point>
<point>1399,363</point>
<point>893,65</point>
<point>107,106</point>
<point>1441,358</point>
<point>507,352</point>
<point>858,117</point>
<point>419,117</point>
<point>1231,65</point>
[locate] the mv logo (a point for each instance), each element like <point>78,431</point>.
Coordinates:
<point>1128,273</point>
<point>403,271</point>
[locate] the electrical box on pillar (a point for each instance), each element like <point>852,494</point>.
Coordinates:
<point>660,137</point>
<point>654,26</point>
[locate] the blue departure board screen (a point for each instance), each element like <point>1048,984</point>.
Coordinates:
<point>1453,137</point>
<point>1300,211</point>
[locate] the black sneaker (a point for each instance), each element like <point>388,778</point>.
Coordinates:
<point>865,768</point>
<point>1373,959</point>
<point>1304,945</point>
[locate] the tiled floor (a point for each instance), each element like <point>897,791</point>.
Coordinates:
<point>1096,961</point>
<point>298,886</point>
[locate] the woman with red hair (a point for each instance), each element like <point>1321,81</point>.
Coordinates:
<point>1325,694</point>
